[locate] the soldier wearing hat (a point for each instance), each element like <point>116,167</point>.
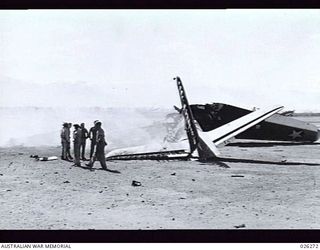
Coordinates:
<point>77,144</point>
<point>100,145</point>
<point>64,140</point>
<point>92,136</point>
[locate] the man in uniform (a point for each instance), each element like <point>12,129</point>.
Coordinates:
<point>92,136</point>
<point>64,141</point>
<point>76,144</point>
<point>84,136</point>
<point>69,143</point>
<point>100,144</point>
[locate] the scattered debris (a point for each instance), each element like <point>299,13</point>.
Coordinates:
<point>38,158</point>
<point>240,226</point>
<point>66,182</point>
<point>111,170</point>
<point>173,174</point>
<point>50,158</point>
<point>237,175</point>
<point>136,183</point>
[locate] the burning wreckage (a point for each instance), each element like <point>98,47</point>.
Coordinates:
<point>198,130</point>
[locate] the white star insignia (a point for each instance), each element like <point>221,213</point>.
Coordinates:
<point>296,134</point>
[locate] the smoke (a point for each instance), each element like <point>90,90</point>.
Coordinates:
<point>124,127</point>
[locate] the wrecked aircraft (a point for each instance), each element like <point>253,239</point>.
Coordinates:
<point>278,127</point>
<point>209,126</point>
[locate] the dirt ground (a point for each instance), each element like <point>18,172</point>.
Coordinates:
<point>250,194</point>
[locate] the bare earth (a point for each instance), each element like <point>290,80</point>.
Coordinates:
<point>173,195</point>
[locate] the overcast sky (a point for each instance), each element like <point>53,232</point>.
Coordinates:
<point>129,57</point>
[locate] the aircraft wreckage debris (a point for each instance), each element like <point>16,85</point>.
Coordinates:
<point>50,158</point>
<point>240,226</point>
<point>212,125</point>
<point>136,183</point>
<point>163,155</point>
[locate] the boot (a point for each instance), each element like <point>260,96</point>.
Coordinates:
<point>89,165</point>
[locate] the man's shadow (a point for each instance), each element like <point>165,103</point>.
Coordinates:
<point>103,169</point>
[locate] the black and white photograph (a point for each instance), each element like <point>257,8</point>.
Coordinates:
<point>159,119</point>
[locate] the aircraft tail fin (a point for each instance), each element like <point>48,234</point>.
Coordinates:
<point>200,143</point>
<point>188,117</point>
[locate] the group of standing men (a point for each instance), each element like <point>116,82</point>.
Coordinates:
<point>80,135</point>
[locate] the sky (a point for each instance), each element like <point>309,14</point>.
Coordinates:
<point>128,58</point>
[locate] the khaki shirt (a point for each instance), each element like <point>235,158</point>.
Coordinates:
<point>100,136</point>
<point>84,134</point>
<point>77,135</point>
<point>65,134</point>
